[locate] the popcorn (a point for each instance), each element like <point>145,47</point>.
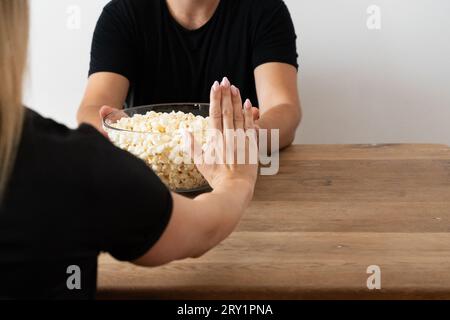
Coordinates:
<point>157,138</point>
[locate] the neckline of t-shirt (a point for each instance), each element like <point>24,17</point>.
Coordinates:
<point>183,29</point>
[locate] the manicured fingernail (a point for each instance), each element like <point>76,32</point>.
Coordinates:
<point>234,90</point>
<point>225,82</point>
<point>216,86</point>
<point>247,104</point>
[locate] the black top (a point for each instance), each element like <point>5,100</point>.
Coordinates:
<point>69,199</point>
<point>167,63</point>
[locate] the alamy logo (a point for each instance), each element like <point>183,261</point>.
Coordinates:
<point>374,281</point>
<point>74,17</point>
<point>235,147</point>
<point>374,19</point>
<point>74,280</point>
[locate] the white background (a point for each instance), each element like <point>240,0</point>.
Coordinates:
<point>357,85</point>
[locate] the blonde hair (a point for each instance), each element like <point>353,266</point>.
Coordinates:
<point>14,26</point>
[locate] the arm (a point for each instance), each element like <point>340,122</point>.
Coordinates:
<point>276,86</point>
<point>199,225</point>
<point>103,88</point>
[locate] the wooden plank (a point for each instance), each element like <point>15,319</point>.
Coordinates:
<point>367,152</point>
<point>358,180</point>
<point>345,216</point>
<point>294,265</point>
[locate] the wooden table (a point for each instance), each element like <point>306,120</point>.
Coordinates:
<point>313,229</point>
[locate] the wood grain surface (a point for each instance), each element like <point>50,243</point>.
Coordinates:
<point>313,229</point>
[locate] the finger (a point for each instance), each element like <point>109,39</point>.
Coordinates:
<point>227,105</point>
<point>248,115</point>
<point>250,132</point>
<point>215,110</point>
<point>192,148</point>
<point>237,108</point>
<point>255,113</point>
<point>252,153</point>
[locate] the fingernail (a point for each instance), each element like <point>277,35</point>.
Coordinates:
<point>234,90</point>
<point>216,86</point>
<point>226,82</point>
<point>247,104</point>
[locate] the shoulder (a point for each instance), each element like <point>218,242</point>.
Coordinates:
<point>130,14</point>
<point>38,128</point>
<point>84,146</point>
<point>65,151</point>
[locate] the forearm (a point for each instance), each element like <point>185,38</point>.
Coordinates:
<point>103,89</point>
<point>198,225</point>
<point>283,117</point>
<point>220,211</point>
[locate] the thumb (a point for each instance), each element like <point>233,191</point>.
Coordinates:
<point>106,110</point>
<point>192,148</point>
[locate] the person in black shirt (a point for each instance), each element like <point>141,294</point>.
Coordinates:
<point>166,51</point>
<point>67,195</point>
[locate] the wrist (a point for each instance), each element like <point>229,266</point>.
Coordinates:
<point>243,186</point>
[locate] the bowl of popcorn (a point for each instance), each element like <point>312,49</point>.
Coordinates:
<point>155,134</point>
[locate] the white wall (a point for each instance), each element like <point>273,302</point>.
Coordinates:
<point>59,56</point>
<point>357,85</point>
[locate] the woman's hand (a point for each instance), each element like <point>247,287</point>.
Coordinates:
<point>198,225</point>
<point>229,116</point>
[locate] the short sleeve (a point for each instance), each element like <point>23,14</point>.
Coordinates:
<point>114,42</point>
<point>274,34</point>
<point>132,207</point>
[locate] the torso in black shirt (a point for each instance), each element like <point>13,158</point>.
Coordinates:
<point>166,63</point>
<point>69,199</point>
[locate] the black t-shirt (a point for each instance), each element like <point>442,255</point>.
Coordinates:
<point>166,63</point>
<point>72,195</point>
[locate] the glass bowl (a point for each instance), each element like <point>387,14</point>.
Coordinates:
<point>133,140</point>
